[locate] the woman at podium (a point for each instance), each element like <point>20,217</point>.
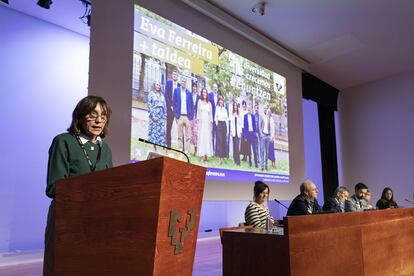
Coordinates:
<point>78,151</point>
<point>257,213</point>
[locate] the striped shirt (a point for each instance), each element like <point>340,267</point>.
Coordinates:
<point>256,215</point>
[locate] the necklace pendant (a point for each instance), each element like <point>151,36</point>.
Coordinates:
<point>92,147</point>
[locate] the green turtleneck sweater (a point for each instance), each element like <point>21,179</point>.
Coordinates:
<point>66,158</point>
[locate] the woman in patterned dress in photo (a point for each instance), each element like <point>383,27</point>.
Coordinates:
<point>157,115</point>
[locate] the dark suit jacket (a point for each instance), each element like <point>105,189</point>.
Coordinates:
<point>169,94</point>
<point>196,105</point>
<point>246,125</point>
<point>213,103</point>
<point>385,204</point>
<point>177,103</point>
<point>332,205</point>
<point>300,206</point>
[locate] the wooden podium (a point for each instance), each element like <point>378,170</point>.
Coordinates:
<point>136,219</point>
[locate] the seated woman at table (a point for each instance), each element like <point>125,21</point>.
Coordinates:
<point>387,200</point>
<point>257,213</point>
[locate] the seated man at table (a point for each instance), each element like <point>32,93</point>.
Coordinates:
<point>305,203</point>
<point>336,203</point>
<point>357,203</point>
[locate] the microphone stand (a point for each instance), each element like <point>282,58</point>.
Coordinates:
<point>165,147</point>
<point>281,203</point>
<point>409,201</point>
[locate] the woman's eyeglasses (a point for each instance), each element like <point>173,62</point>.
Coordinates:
<point>94,116</point>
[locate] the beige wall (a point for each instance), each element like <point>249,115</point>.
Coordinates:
<point>376,133</point>
<point>111,77</point>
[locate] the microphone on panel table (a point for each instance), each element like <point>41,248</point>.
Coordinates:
<point>281,203</point>
<point>165,147</point>
<point>412,202</point>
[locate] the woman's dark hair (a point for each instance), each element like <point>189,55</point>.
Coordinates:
<point>235,107</point>
<point>259,187</point>
<point>83,108</point>
<point>384,192</point>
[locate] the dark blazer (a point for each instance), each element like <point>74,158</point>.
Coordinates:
<point>386,204</point>
<point>332,205</point>
<point>169,94</point>
<point>300,206</point>
<point>213,103</point>
<point>177,103</point>
<point>196,105</point>
<point>246,125</point>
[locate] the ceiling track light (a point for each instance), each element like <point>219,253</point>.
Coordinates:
<point>259,8</point>
<point>45,3</point>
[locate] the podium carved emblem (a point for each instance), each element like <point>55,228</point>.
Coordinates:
<point>178,237</point>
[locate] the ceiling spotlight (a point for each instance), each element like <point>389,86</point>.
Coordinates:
<point>259,8</point>
<point>5,1</point>
<point>45,3</point>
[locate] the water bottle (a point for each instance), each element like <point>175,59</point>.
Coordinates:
<point>269,224</point>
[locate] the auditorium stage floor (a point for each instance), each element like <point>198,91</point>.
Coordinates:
<point>208,260</point>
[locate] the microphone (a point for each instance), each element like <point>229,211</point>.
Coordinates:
<point>409,201</point>
<point>281,203</point>
<point>165,147</point>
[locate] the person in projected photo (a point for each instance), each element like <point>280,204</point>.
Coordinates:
<point>257,119</point>
<point>170,86</point>
<point>243,142</point>
<point>249,136</point>
<point>229,107</point>
<point>183,113</point>
<point>213,97</point>
<point>257,213</point>
<point>221,119</point>
<point>387,200</point>
<point>194,132</point>
<point>236,133</point>
<point>305,203</point>
<point>205,126</point>
<point>265,135</point>
<point>78,151</point>
<point>272,140</point>
<point>157,115</point>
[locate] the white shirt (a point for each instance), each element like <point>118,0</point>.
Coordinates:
<point>266,126</point>
<point>242,113</point>
<point>183,101</point>
<point>84,139</point>
<point>221,114</point>
<point>249,122</point>
<point>272,127</point>
<point>235,132</point>
<point>194,99</point>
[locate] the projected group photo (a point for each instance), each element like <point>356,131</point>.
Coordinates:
<point>224,111</point>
